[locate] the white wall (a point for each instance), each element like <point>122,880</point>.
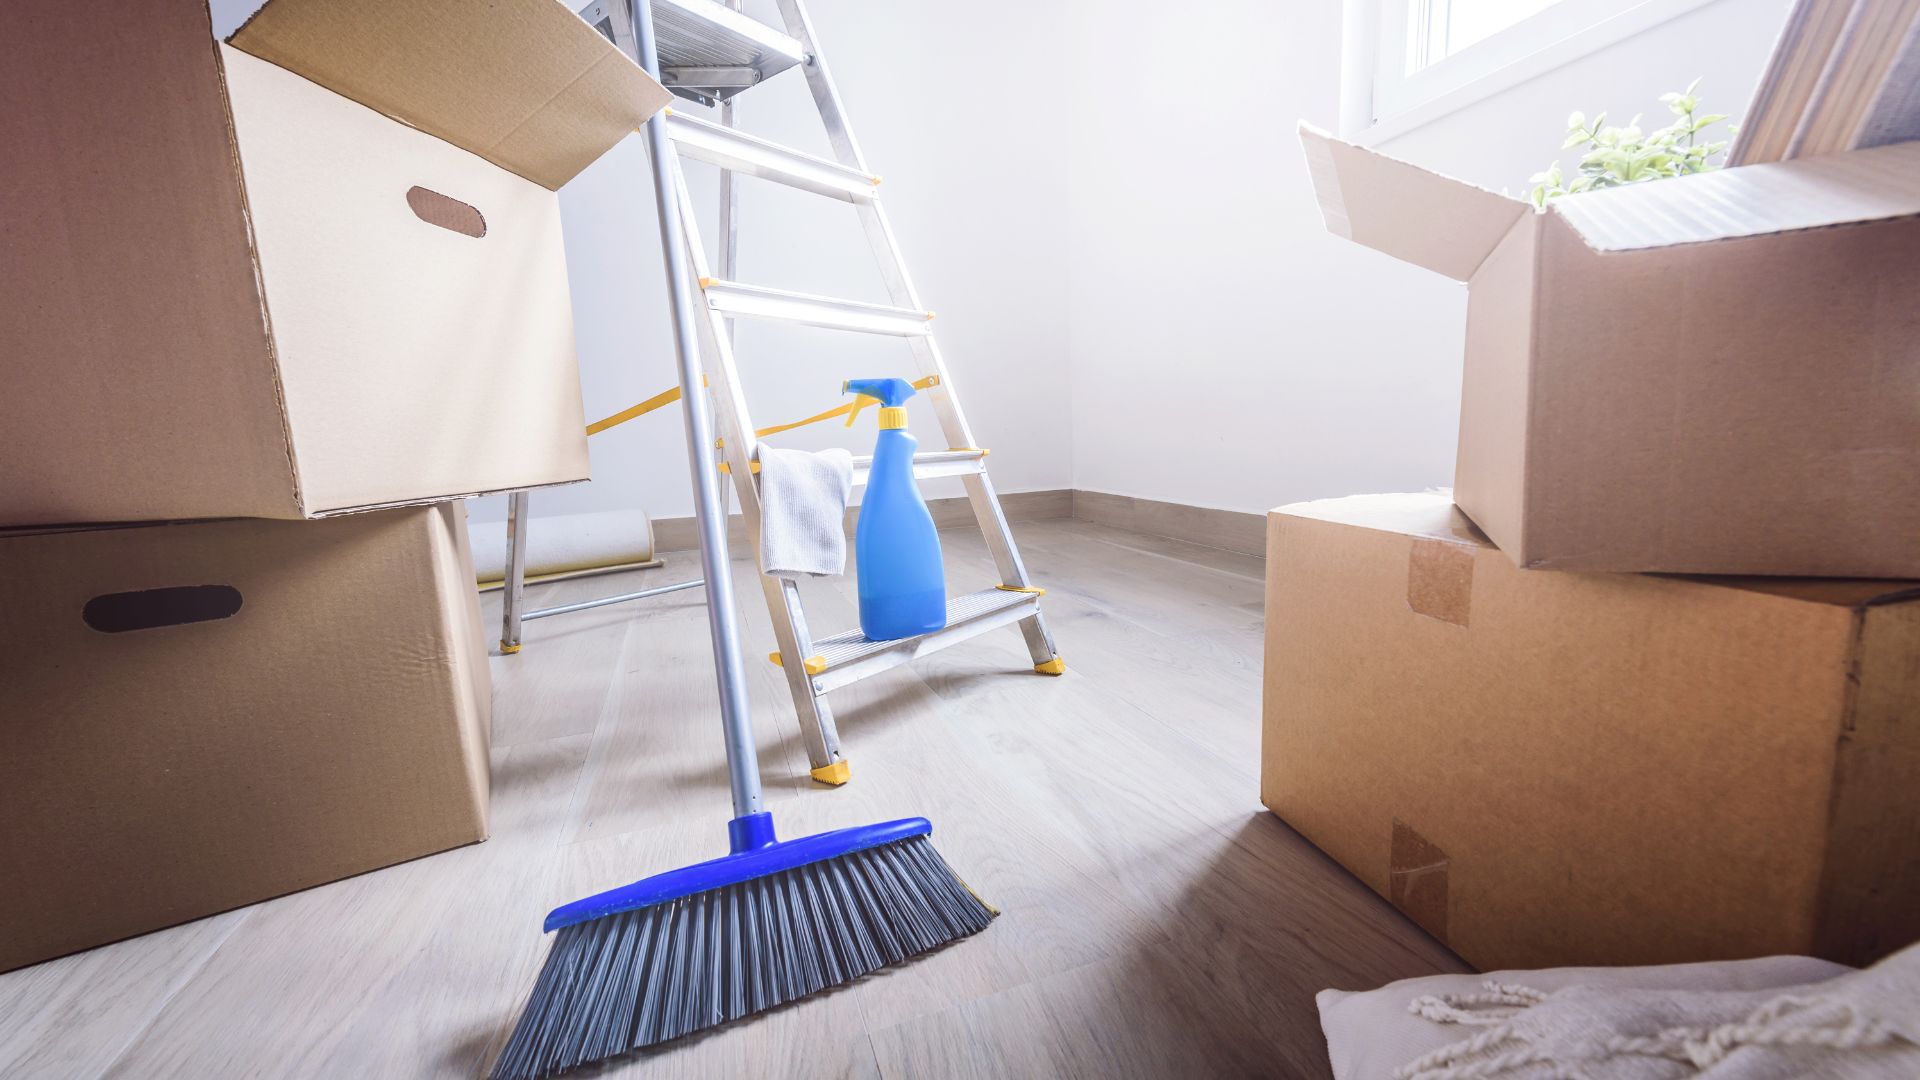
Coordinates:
<point>1226,351</point>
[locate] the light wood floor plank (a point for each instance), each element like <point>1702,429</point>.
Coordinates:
<point>74,1016</point>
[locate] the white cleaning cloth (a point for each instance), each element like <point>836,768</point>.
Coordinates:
<point>803,510</point>
<point>1863,1025</point>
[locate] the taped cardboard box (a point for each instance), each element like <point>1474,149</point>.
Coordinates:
<point>319,282</point>
<point>1717,373</point>
<point>199,716</point>
<point>1554,769</point>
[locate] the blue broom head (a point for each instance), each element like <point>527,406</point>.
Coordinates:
<point>755,852</point>
<point>769,923</point>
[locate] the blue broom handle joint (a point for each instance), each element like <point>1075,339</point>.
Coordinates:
<point>750,832</point>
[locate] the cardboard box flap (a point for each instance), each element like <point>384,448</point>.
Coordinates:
<point>1445,225</point>
<point>525,84</point>
<point>1430,515</point>
<point>1753,200</point>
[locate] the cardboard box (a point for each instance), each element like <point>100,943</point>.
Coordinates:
<point>1549,769</point>
<point>199,716</point>
<point>1717,373</point>
<point>235,292</point>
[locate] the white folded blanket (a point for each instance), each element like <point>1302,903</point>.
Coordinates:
<point>803,510</point>
<point>1862,1025</point>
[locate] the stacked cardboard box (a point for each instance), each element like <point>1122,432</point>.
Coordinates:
<point>315,273</point>
<point>1496,714</point>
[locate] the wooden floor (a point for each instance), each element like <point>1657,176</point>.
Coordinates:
<point>1157,921</point>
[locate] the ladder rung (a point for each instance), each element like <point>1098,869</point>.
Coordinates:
<point>706,49</point>
<point>850,657</point>
<point>930,465</point>
<point>732,149</point>
<point>759,302</point>
<point>720,82</point>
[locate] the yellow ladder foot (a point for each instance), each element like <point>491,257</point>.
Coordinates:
<point>508,650</point>
<point>1055,666</point>
<point>833,775</point>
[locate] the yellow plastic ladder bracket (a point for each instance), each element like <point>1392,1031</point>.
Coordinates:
<point>815,665</point>
<point>1055,666</point>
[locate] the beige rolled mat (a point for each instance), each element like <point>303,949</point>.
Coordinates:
<point>566,546</point>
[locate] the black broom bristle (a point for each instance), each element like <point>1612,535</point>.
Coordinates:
<point>636,978</point>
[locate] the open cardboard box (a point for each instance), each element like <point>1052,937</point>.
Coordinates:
<point>1718,373</point>
<point>199,716</point>
<point>1573,768</point>
<point>317,271</point>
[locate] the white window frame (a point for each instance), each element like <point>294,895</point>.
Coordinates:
<point>1380,99</point>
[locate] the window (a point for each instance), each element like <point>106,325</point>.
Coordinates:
<point>1440,28</point>
<point>1410,61</point>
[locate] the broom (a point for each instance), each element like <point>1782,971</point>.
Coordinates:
<point>773,920</point>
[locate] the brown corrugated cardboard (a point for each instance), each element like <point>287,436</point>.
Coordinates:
<point>199,716</point>
<point>392,381</point>
<point>233,292</point>
<point>1710,374</point>
<point>526,84</point>
<point>1549,769</point>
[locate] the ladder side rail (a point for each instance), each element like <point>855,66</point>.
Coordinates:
<point>945,397</point>
<point>729,203</point>
<point>873,221</point>
<point>620,20</point>
<point>881,238</point>
<point>513,597</point>
<point>782,595</point>
<point>826,96</point>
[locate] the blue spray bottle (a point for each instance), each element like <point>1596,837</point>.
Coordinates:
<point>903,585</point>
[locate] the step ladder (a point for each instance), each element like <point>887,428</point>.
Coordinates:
<point>709,52</point>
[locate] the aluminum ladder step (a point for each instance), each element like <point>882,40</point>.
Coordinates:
<point>708,52</point>
<point>730,148</point>
<point>779,305</point>
<point>929,465</point>
<point>850,657</point>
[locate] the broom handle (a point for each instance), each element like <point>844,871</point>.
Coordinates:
<point>710,512</point>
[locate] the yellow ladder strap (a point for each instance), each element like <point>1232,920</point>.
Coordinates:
<point>850,410</point>
<point>666,397</point>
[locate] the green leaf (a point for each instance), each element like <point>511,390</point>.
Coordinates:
<point>1577,121</point>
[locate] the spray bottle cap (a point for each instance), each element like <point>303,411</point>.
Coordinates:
<point>892,395</point>
<point>891,392</point>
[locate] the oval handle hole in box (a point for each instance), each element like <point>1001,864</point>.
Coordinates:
<point>447,212</point>
<point>146,609</point>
